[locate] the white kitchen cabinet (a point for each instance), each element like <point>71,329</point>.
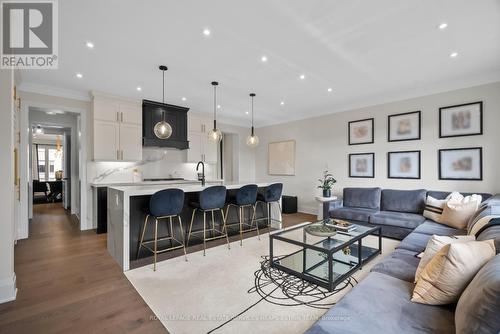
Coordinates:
<point>200,148</point>
<point>117,129</point>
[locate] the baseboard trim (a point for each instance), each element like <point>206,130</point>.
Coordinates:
<point>8,289</point>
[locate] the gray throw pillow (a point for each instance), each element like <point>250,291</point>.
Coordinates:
<point>478,306</point>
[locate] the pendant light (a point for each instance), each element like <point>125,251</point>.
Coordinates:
<point>215,135</point>
<point>252,140</point>
<point>162,129</point>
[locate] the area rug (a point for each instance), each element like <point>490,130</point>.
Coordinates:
<point>234,291</point>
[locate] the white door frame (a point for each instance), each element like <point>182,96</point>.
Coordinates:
<point>23,224</point>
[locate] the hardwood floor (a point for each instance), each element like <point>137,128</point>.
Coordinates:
<point>68,283</point>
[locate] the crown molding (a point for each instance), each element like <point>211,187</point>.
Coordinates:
<point>54,91</point>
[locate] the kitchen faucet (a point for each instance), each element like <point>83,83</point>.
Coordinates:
<point>202,172</point>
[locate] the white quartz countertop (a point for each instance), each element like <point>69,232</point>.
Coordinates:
<point>139,190</point>
<point>148,183</point>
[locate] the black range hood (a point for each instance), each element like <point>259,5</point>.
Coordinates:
<point>176,116</point>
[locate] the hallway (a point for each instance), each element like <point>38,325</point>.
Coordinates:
<point>67,282</point>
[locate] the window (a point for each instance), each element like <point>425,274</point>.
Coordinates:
<point>49,162</point>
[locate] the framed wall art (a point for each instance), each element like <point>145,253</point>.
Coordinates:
<point>403,165</point>
<point>461,164</point>
<point>281,158</point>
<point>405,126</point>
<point>361,132</point>
<point>362,165</point>
<point>461,120</point>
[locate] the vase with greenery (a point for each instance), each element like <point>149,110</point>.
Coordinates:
<point>326,183</point>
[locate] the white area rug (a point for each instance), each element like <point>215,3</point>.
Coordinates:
<point>199,295</point>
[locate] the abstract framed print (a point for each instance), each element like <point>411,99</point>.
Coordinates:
<point>461,120</point>
<point>405,126</point>
<point>361,132</point>
<point>461,164</point>
<point>362,165</point>
<point>403,165</point>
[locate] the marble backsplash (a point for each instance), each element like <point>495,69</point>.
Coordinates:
<point>156,163</point>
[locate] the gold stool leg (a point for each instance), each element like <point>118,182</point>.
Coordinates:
<point>142,236</point>
<point>241,216</point>
<point>171,232</point>
<point>183,238</point>
<point>190,227</point>
<point>224,228</point>
<point>256,222</point>
<point>204,232</point>
<point>156,244</point>
<point>213,224</point>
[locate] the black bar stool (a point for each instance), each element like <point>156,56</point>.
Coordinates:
<point>211,199</point>
<point>164,204</point>
<point>271,195</point>
<point>246,197</point>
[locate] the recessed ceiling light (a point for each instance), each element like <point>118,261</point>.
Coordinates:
<point>89,44</point>
<point>183,98</point>
<point>282,103</point>
<point>139,88</point>
<point>79,75</point>
<point>302,77</point>
<point>453,54</point>
<point>329,90</point>
<point>263,59</point>
<point>50,112</point>
<point>206,32</point>
<point>218,106</point>
<point>443,25</point>
<point>246,112</point>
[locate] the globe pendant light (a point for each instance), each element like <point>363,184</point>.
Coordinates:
<point>162,129</point>
<point>215,135</point>
<point>252,140</point>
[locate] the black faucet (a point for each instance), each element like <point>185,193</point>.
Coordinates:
<point>202,172</point>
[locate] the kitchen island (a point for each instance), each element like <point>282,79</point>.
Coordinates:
<point>127,207</point>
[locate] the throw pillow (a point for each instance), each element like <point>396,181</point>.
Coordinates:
<point>457,213</point>
<point>449,272</point>
<point>434,245</point>
<point>434,208</point>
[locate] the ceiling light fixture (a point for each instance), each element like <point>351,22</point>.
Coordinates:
<point>453,54</point>
<point>263,59</point>
<point>218,106</point>
<point>329,90</point>
<point>89,44</point>
<point>215,135</point>
<point>162,129</point>
<point>183,98</point>
<point>139,88</point>
<point>282,103</point>
<point>302,77</point>
<point>252,140</point>
<point>38,129</point>
<point>79,75</point>
<point>443,26</point>
<point>206,32</point>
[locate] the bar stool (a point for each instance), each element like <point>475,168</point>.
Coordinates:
<point>211,199</point>
<point>164,204</point>
<point>245,197</point>
<point>271,195</point>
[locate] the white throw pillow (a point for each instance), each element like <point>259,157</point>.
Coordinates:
<point>434,245</point>
<point>434,208</point>
<point>449,272</point>
<point>458,213</point>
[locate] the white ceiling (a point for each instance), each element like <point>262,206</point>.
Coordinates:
<point>368,52</point>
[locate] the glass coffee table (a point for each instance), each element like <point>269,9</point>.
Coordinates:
<point>324,255</point>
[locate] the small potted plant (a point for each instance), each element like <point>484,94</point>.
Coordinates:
<point>326,183</point>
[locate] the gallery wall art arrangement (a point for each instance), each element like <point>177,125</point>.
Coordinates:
<point>454,163</point>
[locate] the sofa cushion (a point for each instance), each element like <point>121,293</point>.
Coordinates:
<point>491,232</point>
<point>361,214</point>
<point>449,272</point>
<point>430,227</point>
<point>400,264</point>
<point>362,198</point>
<point>415,242</point>
<point>477,308</point>
<point>381,304</point>
<point>493,200</point>
<point>403,200</point>
<point>400,219</point>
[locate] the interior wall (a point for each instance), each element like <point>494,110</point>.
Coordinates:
<point>323,141</point>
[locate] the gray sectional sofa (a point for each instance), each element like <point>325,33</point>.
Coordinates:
<point>381,303</point>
